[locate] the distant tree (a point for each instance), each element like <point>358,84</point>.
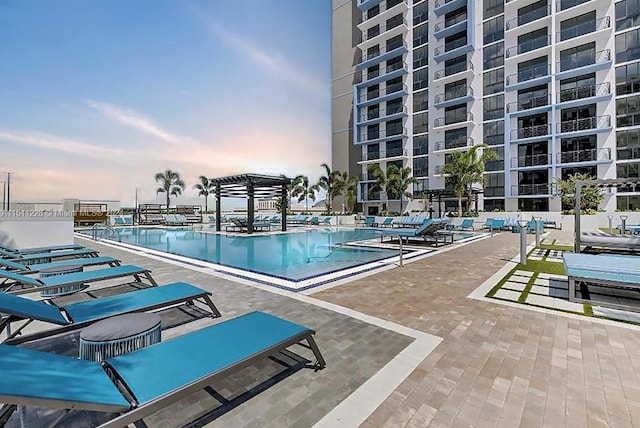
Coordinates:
<point>327,182</point>
<point>590,197</point>
<point>288,196</point>
<point>303,190</point>
<point>394,181</point>
<point>205,188</point>
<point>169,183</point>
<point>348,187</point>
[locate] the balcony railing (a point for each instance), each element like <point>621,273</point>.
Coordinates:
<point>450,120</point>
<point>383,50</point>
<point>382,112</point>
<point>529,74</point>
<point>531,160</point>
<point>530,45</point>
<point>455,44</point>
<point>591,155</point>
<point>584,124</point>
<point>458,92</point>
<point>453,69</point>
<point>566,4</point>
<point>533,102</point>
<point>584,92</point>
<point>530,189</point>
<point>375,135</point>
<point>440,3</point>
<point>422,172</point>
<point>530,132</point>
<point>449,22</point>
<point>528,17</point>
<point>383,154</point>
<point>388,69</point>
<point>368,14</point>
<point>584,28</point>
<point>583,59</point>
<point>453,144</point>
<point>376,31</point>
<point>390,89</point>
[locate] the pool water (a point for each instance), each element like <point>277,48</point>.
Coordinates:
<point>294,256</point>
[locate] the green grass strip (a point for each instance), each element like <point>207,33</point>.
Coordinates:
<point>527,289</point>
<point>539,266</point>
<point>500,283</point>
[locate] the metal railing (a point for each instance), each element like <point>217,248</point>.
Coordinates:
<point>388,69</point>
<point>587,91</point>
<point>383,6</point>
<point>384,154</point>
<point>391,89</point>
<point>530,189</point>
<point>450,120</point>
<point>440,3</point>
<point>590,155</point>
<point>530,132</point>
<point>528,46</point>
<point>446,23</point>
<point>458,92</point>
<point>454,69</point>
<point>383,112</point>
<point>383,50</point>
<point>109,232</point>
<point>453,144</point>
<point>583,59</point>
<point>528,17</point>
<point>531,160</point>
<point>566,4</point>
<point>584,124</point>
<point>533,102</point>
<point>393,131</point>
<point>529,74</point>
<point>584,28</point>
<point>373,32</point>
<point>455,44</point>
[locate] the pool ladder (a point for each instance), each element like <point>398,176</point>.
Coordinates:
<point>110,231</point>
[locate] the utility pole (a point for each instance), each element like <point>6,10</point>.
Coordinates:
<point>135,210</point>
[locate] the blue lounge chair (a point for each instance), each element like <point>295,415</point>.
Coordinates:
<point>151,376</point>
<point>466,224</point>
<point>46,257</point>
<point>118,221</point>
<point>77,315</point>
<point>326,221</point>
<point>35,268</point>
<point>21,284</point>
<point>431,230</point>
<point>370,221</point>
<point>40,249</point>
<point>315,220</point>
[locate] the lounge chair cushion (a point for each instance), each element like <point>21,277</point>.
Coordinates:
<point>88,261</point>
<point>94,275</point>
<point>26,308</point>
<point>56,254</point>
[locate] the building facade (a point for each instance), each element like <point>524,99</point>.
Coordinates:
<point>552,86</point>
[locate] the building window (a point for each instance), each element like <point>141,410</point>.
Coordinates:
<point>420,13</point>
<point>533,204</point>
<point>493,30</point>
<point>421,145</point>
<point>628,111</point>
<point>493,56</point>
<point>493,204</point>
<point>493,133</point>
<point>494,186</point>
<point>421,123</point>
<point>493,8</point>
<point>628,78</point>
<point>421,167</point>
<point>421,57</point>
<point>628,203</point>
<point>579,56</point>
<point>493,107</point>
<point>628,144</point>
<point>578,25</point>
<point>421,79</point>
<point>628,46</point>
<point>493,81</point>
<point>420,101</point>
<point>421,35</point>
<point>497,164</point>
<point>628,170</point>
<point>627,14</point>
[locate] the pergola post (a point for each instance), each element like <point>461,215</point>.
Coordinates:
<point>284,206</point>
<point>578,196</point>
<point>218,208</point>
<point>250,208</point>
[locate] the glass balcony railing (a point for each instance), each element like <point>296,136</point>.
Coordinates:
<point>449,22</point>
<point>583,59</point>
<point>386,70</point>
<point>375,135</point>
<point>590,155</point>
<point>530,189</point>
<point>566,4</point>
<point>390,89</point>
<point>581,92</point>
<point>376,31</point>
<point>440,3</point>
<point>530,45</point>
<point>375,114</point>
<point>453,69</point>
<point>458,92</point>
<point>453,144</point>
<point>584,124</point>
<point>528,17</point>
<point>533,102</point>
<point>529,74</point>
<point>453,118</point>
<point>455,44</point>
<point>531,160</point>
<point>383,6</point>
<point>584,28</point>
<point>374,53</point>
<point>531,132</point>
<point>384,154</point>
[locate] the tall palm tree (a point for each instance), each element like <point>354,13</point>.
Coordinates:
<point>347,186</point>
<point>303,190</point>
<point>465,169</point>
<point>399,180</point>
<point>170,183</point>
<point>327,182</point>
<point>381,177</point>
<point>205,188</point>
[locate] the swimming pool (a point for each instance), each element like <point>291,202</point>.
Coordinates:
<point>295,256</point>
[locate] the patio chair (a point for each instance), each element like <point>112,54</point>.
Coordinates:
<point>40,249</point>
<point>117,220</point>
<point>633,228</point>
<point>77,315</point>
<point>35,257</point>
<point>314,220</point>
<point>431,230</point>
<point>370,221</point>
<point>28,284</point>
<point>128,220</point>
<point>326,221</point>
<point>35,268</point>
<point>387,222</point>
<point>466,224</point>
<point>609,241</point>
<point>142,382</point>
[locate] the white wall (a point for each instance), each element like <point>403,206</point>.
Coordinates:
<point>35,228</point>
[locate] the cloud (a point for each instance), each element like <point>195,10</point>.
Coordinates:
<point>276,64</point>
<point>135,120</point>
<point>52,142</point>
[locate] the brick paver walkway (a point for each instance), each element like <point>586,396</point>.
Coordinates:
<point>497,365</point>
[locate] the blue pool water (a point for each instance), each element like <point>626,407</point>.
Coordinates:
<point>292,256</point>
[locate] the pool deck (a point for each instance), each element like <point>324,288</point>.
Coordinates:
<point>406,347</point>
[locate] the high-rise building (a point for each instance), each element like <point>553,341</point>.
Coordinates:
<point>552,86</point>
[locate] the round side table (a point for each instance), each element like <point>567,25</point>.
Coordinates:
<point>66,289</point>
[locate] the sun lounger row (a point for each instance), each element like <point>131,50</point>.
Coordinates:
<point>118,220</point>
<point>432,230</point>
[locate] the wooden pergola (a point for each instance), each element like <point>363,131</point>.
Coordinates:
<point>251,186</point>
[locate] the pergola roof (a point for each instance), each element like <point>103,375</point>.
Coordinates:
<point>263,186</point>
<point>608,182</point>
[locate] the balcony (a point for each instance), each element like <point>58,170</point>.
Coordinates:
<point>422,172</point>
<point>452,120</point>
<point>542,102</point>
<point>585,125</point>
<point>441,7</point>
<point>453,144</point>
<point>584,94</point>
<point>530,189</point>
<point>389,72</point>
<point>584,28</point>
<point>451,26</point>
<point>461,94</point>
<point>382,54</point>
<point>452,49</point>
<point>533,76</point>
<point>380,115</point>
<point>531,133</point>
<point>528,17</point>
<point>374,32</point>
<point>390,133</point>
<point>592,155</point>
<point>539,160</point>
<point>375,97</point>
<point>384,154</point>
<point>367,177</point>
<point>583,62</point>
<point>453,70</point>
<point>383,7</point>
<point>528,46</point>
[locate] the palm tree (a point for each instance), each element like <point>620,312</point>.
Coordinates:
<point>399,180</point>
<point>347,186</point>
<point>303,191</point>
<point>169,183</point>
<point>465,169</point>
<point>381,177</point>
<point>205,188</point>
<point>328,183</point>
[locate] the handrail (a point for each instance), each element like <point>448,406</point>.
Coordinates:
<point>531,160</point>
<point>381,30</point>
<point>531,131</point>
<point>455,44</point>
<point>529,74</point>
<point>584,123</point>
<point>528,17</point>
<point>459,92</point>
<point>583,59</point>
<point>589,155</point>
<point>584,28</point>
<point>383,50</point>
<point>528,46</point>
<point>533,102</point>
<point>443,121</point>
<point>586,91</point>
<point>454,144</point>
<point>112,232</point>
<point>454,69</point>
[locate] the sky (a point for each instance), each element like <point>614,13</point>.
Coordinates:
<point>96,97</point>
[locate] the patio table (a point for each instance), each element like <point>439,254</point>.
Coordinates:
<point>66,289</point>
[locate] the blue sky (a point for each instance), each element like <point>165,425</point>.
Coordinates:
<point>98,96</point>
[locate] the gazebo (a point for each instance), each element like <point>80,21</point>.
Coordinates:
<point>251,186</point>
